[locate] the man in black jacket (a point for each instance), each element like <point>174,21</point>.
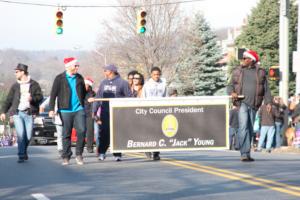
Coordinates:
<point>69,89</point>
<point>23,102</point>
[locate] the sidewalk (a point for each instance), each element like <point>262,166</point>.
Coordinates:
<point>286,149</point>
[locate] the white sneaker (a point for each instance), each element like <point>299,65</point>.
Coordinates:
<point>79,160</point>
<point>118,158</point>
<point>101,156</point>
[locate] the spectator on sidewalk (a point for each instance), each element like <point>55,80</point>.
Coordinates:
<point>250,81</point>
<point>23,102</point>
<point>279,121</point>
<point>69,90</point>
<point>267,129</point>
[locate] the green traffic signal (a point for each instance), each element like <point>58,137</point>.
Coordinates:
<point>142,29</point>
<point>59,31</point>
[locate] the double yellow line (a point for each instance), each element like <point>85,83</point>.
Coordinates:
<point>237,176</point>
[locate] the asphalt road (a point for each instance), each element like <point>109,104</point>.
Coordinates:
<point>179,175</point>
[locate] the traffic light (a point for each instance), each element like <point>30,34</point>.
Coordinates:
<point>141,21</point>
<point>274,73</point>
<point>59,22</point>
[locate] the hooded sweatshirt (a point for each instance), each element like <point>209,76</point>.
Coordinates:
<point>154,89</point>
<point>111,88</point>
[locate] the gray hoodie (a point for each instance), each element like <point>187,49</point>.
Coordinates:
<point>154,89</point>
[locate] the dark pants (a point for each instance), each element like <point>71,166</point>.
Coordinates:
<point>104,135</point>
<point>89,133</point>
<point>73,120</point>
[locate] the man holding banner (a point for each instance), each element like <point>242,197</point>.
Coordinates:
<point>250,81</point>
<point>154,87</point>
<point>111,87</point>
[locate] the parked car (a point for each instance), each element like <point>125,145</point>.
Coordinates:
<point>44,130</point>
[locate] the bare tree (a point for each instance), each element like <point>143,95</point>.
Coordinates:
<point>159,46</point>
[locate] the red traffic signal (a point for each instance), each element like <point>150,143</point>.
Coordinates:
<point>274,73</point>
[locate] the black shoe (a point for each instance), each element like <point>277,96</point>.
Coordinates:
<point>20,160</point>
<point>156,157</point>
<point>26,157</point>
<point>247,159</point>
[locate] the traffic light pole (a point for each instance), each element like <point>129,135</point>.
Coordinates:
<point>298,49</point>
<point>284,49</point>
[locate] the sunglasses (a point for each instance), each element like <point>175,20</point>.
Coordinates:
<point>136,78</point>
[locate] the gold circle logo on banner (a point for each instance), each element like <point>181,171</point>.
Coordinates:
<point>169,125</point>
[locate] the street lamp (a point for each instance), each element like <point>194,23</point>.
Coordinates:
<point>101,54</point>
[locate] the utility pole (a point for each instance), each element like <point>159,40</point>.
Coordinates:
<point>296,67</point>
<point>284,49</point>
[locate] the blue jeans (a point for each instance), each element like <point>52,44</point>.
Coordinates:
<point>24,125</point>
<point>73,120</point>
<point>266,131</point>
<point>246,122</point>
<point>277,139</point>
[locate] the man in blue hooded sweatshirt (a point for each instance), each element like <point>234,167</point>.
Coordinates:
<point>113,86</point>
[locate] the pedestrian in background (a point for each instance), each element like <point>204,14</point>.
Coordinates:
<point>250,81</point>
<point>130,79</point>
<point>267,129</point>
<point>69,90</point>
<point>154,87</point>
<point>233,127</point>
<point>88,107</point>
<point>113,86</point>
<point>23,102</point>
<point>138,83</point>
<point>279,121</point>
<point>173,92</point>
<point>57,122</point>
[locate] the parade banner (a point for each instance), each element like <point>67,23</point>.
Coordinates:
<point>169,124</point>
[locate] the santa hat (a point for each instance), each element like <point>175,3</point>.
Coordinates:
<point>70,61</point>
<point>252,55</point>
<point>89,81</point>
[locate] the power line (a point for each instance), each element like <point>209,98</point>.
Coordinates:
<point>97,6</point>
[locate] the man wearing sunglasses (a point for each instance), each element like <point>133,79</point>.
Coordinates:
<point>249,81</point>
<point>69,90</point>
<point>23,102</point>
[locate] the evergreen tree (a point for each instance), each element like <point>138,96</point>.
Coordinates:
<point>198,71</point>
<point>262,34</point>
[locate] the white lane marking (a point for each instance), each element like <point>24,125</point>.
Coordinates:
<point>39,196</point>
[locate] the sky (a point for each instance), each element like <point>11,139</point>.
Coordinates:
<point>28,27</point>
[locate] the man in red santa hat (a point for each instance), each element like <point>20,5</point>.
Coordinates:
<point>250,81</point>
<point>69,90</point>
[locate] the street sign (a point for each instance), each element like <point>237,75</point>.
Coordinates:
<point>169,124</point>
